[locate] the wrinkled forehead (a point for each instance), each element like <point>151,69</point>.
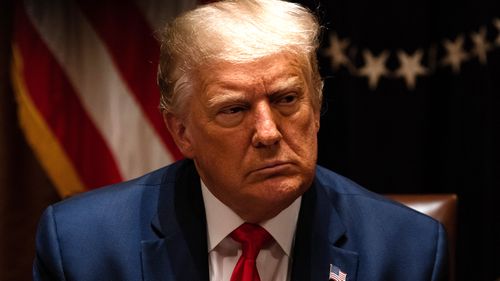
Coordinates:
<point>262,75</point>
<point>275,69</point>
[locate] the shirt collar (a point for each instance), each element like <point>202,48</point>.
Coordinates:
<point>221,221</point>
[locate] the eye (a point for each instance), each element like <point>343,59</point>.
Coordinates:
<point>288,103</point>
<point>288,98</point>
<point>231,116</point>
<point>232,110</point>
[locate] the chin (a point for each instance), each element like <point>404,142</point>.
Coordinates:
<point>268,198</point>
<point>286,186</point>
<point>283,193</point>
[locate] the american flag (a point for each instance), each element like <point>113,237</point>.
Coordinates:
<point>84,75</point>
<point>336,274</point>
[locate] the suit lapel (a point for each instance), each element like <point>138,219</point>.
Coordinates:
<point>156,264</point>
<point>180,252</point>
<point>319,238</point>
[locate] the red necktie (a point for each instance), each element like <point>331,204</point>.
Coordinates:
<point>252,238</point>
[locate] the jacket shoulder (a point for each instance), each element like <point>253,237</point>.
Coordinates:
<point>372,213</point>
<point>83,234</point>
<point>341,188</point>
<point>120,195</point>
<point>378,226</point>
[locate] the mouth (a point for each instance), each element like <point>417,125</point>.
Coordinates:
<point>273,168</point>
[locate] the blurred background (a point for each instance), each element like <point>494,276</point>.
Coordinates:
<point>411,105</point>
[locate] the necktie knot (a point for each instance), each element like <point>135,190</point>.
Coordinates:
<point>252,238</point>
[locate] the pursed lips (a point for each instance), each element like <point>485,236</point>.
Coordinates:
<point>272,167</point>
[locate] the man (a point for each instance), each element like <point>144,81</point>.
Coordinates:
<point>241,97</point>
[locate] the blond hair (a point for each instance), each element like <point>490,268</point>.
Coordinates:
<point>235,31</point>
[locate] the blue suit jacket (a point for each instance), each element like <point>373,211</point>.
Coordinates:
<point>154,228</point>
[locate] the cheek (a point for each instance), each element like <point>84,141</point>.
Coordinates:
<point>302,135</point>
<point>218,146</point>
<point>305,125</point>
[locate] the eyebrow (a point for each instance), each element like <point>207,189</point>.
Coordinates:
<point>234,96</point>
<point>292,81</point>
<point>225,98</point>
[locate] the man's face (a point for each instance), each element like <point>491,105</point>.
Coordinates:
<point>251,130</point>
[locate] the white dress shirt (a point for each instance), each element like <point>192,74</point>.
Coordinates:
<point>273,262</point>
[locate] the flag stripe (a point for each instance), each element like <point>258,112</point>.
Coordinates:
<point>139,72</point>
<point>131,139</point>
<point>57,103</point>
<point>38,134</point>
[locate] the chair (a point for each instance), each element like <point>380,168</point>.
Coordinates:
<point>442,207</point>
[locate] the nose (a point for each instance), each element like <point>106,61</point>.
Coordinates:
<point>266,127</point>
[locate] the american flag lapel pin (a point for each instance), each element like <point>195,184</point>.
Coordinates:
<point>336,274</point>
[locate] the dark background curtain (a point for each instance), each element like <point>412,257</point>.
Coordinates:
<point>442,136</point>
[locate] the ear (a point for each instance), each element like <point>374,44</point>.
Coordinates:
<point>179,133</point>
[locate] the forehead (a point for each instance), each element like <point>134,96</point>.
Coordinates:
<point>265,74</point>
